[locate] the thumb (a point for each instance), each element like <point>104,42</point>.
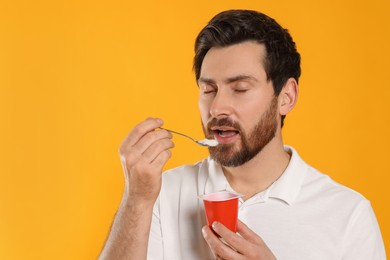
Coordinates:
<point>248,234</point>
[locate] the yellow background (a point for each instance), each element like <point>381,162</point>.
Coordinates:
<point>76,76</point>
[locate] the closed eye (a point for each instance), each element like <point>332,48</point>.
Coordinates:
<point>209,91</point>
<point>240,90</point>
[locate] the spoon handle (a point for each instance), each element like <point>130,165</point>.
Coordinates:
<point>174,132</point>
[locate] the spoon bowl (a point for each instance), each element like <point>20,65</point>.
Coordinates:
<point>204,142</point>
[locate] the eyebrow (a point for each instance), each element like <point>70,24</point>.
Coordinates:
<point>228,80</point>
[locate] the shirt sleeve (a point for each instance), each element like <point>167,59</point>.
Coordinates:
<point>363,239</point>
<point>155,244</point>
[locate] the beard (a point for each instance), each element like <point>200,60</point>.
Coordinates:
<point>252,143</point>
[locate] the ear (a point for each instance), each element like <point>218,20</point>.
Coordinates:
<point>288,96</point>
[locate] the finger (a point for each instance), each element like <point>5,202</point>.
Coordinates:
<point>133,154</point>
<point>232,239</point>
<point>162,159</point>
<point>140,130</point>
<point>150,139</point>
<point>156,148</point>
<point>248,234</point>
<point>218,248</point>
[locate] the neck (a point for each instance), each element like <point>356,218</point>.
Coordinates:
<point>261,171</point>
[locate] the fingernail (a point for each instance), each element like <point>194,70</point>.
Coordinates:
<point>215,225</point>
<point>160,120</point>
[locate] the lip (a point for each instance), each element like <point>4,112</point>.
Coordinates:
<point>226,139</point>
<point>222,128</point>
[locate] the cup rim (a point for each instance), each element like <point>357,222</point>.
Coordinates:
<point>235,195</point>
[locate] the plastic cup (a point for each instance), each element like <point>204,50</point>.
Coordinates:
<point>222,206</point>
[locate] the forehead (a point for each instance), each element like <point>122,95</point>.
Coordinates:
<point>245,58</point>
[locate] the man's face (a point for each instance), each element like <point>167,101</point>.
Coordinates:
<point>237,103</point>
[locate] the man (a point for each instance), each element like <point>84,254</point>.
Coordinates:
<point>247,69</point>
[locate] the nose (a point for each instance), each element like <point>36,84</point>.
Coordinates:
<point>221,105</point>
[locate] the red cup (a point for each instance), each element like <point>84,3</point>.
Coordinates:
<point>222,206</point>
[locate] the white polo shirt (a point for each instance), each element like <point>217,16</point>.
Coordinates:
<point>303,215</point>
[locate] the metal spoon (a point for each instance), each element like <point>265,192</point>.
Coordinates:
<point>204,142</point>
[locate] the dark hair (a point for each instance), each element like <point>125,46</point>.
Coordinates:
<point>282,61</point>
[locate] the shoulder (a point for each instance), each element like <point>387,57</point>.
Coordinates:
<point>319,184</point>
<point>314,187</point>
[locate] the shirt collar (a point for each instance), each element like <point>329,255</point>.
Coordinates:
<point>286,188</point>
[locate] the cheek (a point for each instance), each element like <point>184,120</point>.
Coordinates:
<point>249,114</point>
<point>250,109</point>
<point>204,109</point>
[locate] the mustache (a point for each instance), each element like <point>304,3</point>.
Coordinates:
<point>226,121</point>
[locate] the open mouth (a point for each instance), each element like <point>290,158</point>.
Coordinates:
<point>224,134</point>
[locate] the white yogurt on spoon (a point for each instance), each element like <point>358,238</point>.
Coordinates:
<point>208,142</point>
